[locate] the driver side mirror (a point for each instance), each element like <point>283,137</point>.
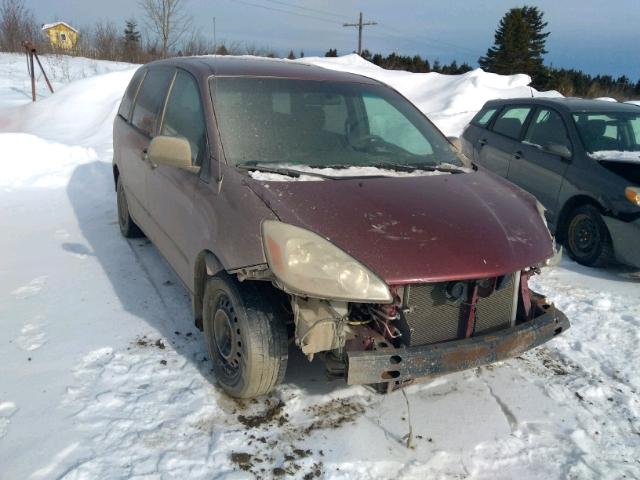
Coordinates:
<point>561,150</point>
<point>172,152</point>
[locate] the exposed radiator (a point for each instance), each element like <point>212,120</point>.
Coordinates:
<point>429,317</point>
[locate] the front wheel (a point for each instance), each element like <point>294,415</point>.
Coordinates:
<point>587,238</point>
<point>246,339</point>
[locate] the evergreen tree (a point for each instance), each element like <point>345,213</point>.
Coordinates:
<point>333,52</point>
<point>291,55</point>
<point>131,41</point>
<point>519,44</point>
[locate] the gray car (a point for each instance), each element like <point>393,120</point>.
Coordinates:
<point>580,158</point>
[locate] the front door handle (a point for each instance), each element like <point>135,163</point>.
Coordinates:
<point>482,142</point>
<point>517,155</point>
<point>145,158</point>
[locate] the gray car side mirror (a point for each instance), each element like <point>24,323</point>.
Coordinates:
<point>560,150</point>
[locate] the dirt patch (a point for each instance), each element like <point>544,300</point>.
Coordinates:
<point>333,414</point>
<point>242,459</point>
<point>144,341</point>
<point>271,414</point>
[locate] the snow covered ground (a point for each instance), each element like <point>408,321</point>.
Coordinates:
<point>102,374</point>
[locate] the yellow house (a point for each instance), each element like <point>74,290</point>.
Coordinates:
<point>61,35</point>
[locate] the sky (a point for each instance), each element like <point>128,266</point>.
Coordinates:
<point>595,36</point>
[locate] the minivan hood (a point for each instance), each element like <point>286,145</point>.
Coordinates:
<point>419,229</point>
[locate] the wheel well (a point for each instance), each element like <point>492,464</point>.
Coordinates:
<point>207,264</point>
<point>116,174</point>
<point>569,206</point>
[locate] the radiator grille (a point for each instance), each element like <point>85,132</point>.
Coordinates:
<point>429,317</point>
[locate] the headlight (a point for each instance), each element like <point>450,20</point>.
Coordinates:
<point>633,194</point>
<point>308,264</point>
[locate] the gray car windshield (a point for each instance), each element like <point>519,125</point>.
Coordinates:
<point>618,131</point>
<point>321,124</point>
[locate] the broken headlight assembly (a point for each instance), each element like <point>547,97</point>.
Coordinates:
<point>309,265</point>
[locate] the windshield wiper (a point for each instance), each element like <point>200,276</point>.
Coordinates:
<point>291,172</point>
<point>413,167</point>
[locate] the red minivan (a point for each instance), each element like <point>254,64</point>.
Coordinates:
<point>308,205</point>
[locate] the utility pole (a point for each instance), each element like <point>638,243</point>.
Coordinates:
<point>215,43</point>
<point>360,25</point>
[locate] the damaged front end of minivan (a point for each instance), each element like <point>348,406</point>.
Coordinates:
<point>369,332</point>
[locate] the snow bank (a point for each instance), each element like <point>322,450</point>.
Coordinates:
<point>15,86</point>
<point>30,161</point>
<point>79,113</point>
<point>450,101</point>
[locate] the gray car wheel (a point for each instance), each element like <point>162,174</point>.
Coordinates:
<point>246,339</point>
<point>587,237</point>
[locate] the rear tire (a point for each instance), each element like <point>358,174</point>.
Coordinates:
<point>128,227</point>
<point>587,237</point>
<point>246,338</point>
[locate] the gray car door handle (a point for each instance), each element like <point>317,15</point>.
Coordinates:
<point>482,142</point>
<point>517,155</point>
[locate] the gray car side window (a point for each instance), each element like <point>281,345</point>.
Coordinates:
<point>483,117</point>
<point>547,128</point>
<point>184,116</point>
<point>150,99</point>
<point>511,120</point>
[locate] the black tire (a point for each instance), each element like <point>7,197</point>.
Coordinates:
<point>246,338</point>
<point>587,237</point>
<point>128,227</point>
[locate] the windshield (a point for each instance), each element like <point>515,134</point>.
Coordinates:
<point>322,124</point>
<point>609,131</point>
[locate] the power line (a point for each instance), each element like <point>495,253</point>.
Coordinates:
<point>360,26</point>
<point>401,34</point>
<point>281,10</point>
<point>309,9</point>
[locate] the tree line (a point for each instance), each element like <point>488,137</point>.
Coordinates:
<point>519,47</point>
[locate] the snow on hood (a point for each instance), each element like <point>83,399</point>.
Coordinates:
<point>359,171</point>
<point>617,155</point>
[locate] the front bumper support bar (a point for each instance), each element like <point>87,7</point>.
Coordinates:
<point>409,363</point>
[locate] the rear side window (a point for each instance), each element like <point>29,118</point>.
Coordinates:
<point>129,95</point>
<point>484,116</point>
<point>184,116</point>
<point>150,99</point>
<point>547,128</point>
<point>511,120</point>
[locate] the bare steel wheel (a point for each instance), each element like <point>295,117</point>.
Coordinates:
<point>246,338</point>
<point>128,227</point>
<point>226,336</point>
<point>587,238</point>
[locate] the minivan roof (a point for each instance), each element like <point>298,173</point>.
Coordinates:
<point>227,65</point>
<point>569,104</point>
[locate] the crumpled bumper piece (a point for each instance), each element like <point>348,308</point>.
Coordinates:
<point>406,364</point>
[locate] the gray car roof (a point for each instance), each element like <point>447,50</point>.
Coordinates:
<point>569,104</point>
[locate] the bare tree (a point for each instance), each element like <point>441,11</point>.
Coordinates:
<point>106,41</point>
<point>16,24</point>
<point>166,19</point>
